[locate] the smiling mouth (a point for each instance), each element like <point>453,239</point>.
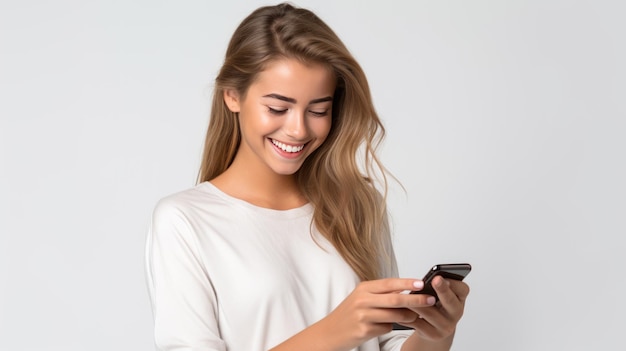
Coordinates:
<point>288,148</point>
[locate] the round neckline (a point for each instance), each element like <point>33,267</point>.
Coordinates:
<point>305,209</point>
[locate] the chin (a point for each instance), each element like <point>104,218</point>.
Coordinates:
<point>287,171</point>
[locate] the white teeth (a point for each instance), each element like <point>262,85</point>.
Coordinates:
<point>287,148</point>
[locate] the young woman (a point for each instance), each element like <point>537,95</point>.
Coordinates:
<point>283,244</point>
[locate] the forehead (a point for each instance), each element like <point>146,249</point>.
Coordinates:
<point>293,78</point>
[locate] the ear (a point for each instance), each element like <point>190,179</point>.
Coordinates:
<point>231,98</point>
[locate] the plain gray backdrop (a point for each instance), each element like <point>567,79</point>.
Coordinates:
<point>505,125</point>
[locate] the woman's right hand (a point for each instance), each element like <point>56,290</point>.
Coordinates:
<point>371,309</point>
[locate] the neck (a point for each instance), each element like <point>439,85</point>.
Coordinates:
<point>262,188</point>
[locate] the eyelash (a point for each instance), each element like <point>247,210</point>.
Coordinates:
<point>275,111</point>
<point>280,112</point>
<point>319,114</point>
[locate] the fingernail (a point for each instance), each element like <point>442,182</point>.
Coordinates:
<point>431,300</point>
<point>418,284</point>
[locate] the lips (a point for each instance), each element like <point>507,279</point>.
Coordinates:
<point>288,148</point>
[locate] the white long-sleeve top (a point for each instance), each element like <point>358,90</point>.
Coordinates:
<point>224,274</point>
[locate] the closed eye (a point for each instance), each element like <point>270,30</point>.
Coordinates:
<point>276,111</point>
<point>319,113</point>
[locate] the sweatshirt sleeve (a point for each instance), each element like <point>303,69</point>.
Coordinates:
<point>184,303</point>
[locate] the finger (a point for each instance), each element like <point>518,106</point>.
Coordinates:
<point>410,301</point>
<point>460,289</point>
<point>434,330</point>
<point>376,316</point>
<point>393,315</point>
<point>434,321</point>
<point>389,285</point>
<point>451,305</point>
<point>425,328</point>
<point>434,316</point>
<point>451,292</point>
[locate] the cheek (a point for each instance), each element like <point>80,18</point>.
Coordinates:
<point>255,120</point>
<point>322,127</point>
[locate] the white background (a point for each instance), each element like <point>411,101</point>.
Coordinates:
<point>505,121</point>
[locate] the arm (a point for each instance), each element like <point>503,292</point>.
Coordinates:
<point>183,301</point>
<point>367,312</point>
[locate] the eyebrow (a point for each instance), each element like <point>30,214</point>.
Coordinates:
<point>293,101</point>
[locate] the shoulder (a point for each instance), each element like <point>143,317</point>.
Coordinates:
<point>200,195</point>
<point>187,205</point>
<point>181,219</point>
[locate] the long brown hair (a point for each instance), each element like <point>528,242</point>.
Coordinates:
<point>338,178</point>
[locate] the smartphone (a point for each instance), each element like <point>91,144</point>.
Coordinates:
<point>456,271</point>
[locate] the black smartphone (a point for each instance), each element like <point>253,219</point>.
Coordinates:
<point>456,271</point>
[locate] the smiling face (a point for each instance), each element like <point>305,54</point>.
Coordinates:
<point>284,116</point>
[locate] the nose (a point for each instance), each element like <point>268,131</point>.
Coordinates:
<point>295,125</point>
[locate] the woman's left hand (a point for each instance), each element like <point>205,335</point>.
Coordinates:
<point>438,322</point>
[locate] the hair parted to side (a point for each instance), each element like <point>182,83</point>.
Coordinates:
<point>349,210</point>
